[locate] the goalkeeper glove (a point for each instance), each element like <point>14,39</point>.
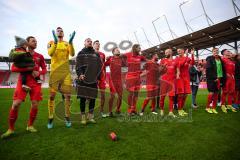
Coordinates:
<point>54,37</point>
<point>72,37</point>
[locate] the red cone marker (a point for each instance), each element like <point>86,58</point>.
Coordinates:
<point>113,136</point>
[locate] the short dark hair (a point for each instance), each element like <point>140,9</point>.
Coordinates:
<point>97,41</point>
<point>87,39</point>
<point>59,27</point>
<point>29,37</point>
<point>114,49</point>
<point>222,52</point>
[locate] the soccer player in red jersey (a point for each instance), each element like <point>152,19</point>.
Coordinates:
<point>115,63</point>
<point>183,82</point>
<point>169,77</point>
<point>229,87</point>
<point>133,81</point>
<point>102,81</point>
<point>151,70</point>
<point>35,91</point>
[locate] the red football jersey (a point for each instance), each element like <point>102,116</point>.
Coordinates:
<point>152,76</point>
<point>171,65</point>
<point>115,65</point>
<point>184,64</point>
<point>134,64</point>
<point>229,67</point>
<point>102,57</point>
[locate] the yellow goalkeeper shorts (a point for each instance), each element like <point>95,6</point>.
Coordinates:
<point>61,84</point>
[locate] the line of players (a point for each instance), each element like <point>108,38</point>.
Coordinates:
<point>175,80</point>
<point>222,74</point>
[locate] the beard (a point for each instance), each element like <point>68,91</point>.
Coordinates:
<point>167,56</point>
<point>116,54</point>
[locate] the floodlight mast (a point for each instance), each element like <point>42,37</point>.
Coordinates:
<point>184,19</point>
<point>235,7</point>
<point>205,13</point>
<point>156,30</point>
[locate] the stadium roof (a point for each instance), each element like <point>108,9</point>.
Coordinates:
<point>218,34</point>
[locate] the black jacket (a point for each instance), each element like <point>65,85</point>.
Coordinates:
<point>90,59</point>
<point>237,71</point>
<point>211,73</point>
<point>237,75</point>
<point>88,63</point>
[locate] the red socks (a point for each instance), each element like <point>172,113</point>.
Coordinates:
<point>223,99</point>
<point>119,103</point>
<point>230,98</point>
<point>153,104</point>
<point>33,115</point>
<point>111,102</point>
<point>171,100</point>
<point>209,100</point>
<point>212,97</point>
<point>179,101</point>
<point>132,102</point>
<point>13,114</point>
<point>161,103</point>
<point>145,102</point>
<point>215,99</point>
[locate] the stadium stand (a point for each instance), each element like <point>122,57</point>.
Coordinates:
<point>4,76</point>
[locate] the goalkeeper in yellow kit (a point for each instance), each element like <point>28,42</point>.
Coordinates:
<point>60,75</point>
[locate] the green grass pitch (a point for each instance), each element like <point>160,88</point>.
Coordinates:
<point>199,136</point>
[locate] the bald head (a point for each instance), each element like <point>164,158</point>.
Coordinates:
<point>168,53</point>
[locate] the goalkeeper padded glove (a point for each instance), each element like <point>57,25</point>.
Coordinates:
<point>72,37</point>
<point>54,37</point>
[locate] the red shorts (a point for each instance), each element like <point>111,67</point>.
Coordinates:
<point>152,90</point>
<point>133,83</point>
<point>35,92</point>
<point>167,88</point>
<point>116,87</point>
<point>229,86</point>
<point>183,86</point>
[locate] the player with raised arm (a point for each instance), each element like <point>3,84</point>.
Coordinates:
<point>183,82</point>
<point>60,74</point>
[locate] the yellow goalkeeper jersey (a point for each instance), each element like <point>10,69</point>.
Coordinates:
<point>60,54</point>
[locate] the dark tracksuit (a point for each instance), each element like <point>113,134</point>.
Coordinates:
<point>195,80</point>
<point>237,76</point>
<point>88,63</point>
<point>211,74</point>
